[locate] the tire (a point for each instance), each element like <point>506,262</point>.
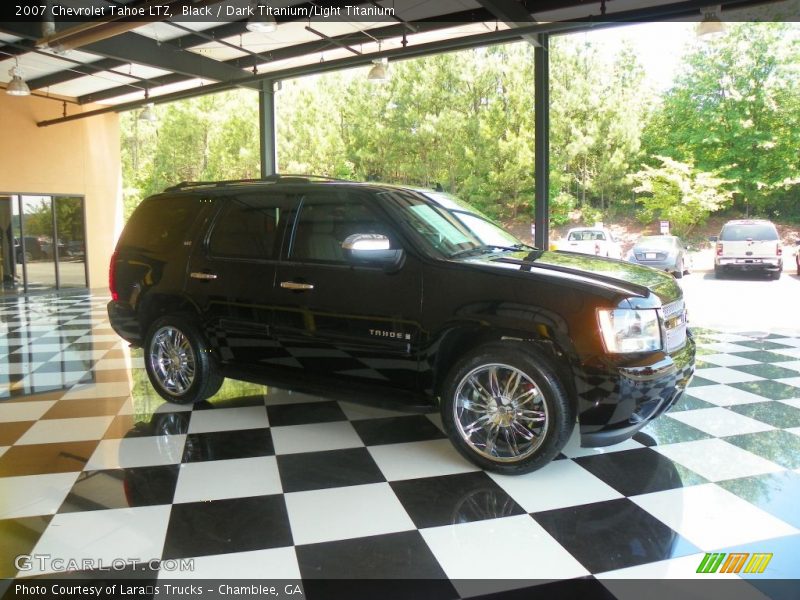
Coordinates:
<point>178,361</point>
<point>718,273</point>
<point>798,267</point>
<point>679,271</point>
<point>507,442</point>
<point>775,275</point>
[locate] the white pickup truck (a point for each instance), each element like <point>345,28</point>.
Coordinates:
<point>748,245</point>
<point>592,240</point>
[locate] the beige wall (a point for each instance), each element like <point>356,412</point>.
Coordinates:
<point>78,157</point>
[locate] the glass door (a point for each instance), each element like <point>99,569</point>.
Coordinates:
<point>37,244</point>
<point>71,242</point>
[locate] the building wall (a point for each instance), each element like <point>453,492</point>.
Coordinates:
<point>78,157</point>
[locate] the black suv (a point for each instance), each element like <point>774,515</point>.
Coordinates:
<point>397,295</point>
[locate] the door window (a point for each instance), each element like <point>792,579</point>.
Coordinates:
<point>249,227</point>
<point>325,222</point>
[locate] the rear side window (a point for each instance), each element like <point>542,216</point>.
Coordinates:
<point>249,227</point>
<point>740,232</point>
<point>160,224</point>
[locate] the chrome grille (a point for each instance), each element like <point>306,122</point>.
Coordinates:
<point>674,315</point>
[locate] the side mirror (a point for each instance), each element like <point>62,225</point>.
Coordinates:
<point>372,249</point>
<point>712,238</point>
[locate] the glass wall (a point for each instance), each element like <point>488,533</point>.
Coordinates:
<point>42,243</point>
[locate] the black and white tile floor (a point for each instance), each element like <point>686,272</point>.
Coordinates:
<point>264,483</point>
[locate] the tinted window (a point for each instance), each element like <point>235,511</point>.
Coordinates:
<point>586,235</point>
<point>325,222</point>
<point>248,227</point>
<point>739,232</point>
<point>160,224</point>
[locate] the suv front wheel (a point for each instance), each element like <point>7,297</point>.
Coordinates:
<point>505,409</point>
<point>178,361</point>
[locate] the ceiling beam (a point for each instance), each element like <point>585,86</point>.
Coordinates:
<point>74,73</point>
<point>512,13</point>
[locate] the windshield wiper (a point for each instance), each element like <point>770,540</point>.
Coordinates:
<point>483,248</point>
<point>468,251</point>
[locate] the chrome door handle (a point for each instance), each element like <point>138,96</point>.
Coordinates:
<point>293,285</point>
<point>203,276</point>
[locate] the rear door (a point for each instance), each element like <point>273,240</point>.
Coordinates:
<point>232,274</point>
<point>335,318</point>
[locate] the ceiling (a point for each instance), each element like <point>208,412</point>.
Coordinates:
<point>123,63</point>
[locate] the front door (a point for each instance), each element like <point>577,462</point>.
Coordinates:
<point>336,318</point>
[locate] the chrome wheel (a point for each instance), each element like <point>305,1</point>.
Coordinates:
<point>500,412</point>
<point>172,360</point>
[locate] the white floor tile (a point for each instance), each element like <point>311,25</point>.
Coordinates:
<point>515,548</point>
<point>732,337</point>
<point>717,460</point>
<point>719,422</point>
<point>795,381</point>
<point>683,567</point>
<point>791,352</point>
<point>137,452</point>
<point>48,431</point>
<point>724,395</point>
<point>107,364</point>
<point>81,355</point>
<point>7,368</point>
<point>793,342</point>
<point>218,479</point>
<point>419,459</point>
<point>3,449</point>
<point>275,563</point>
<point>727,360</point>
<point>277,396</point>
<point>228,419</point>
<point>712,518</point>
<point>725,375</point>
<point>33,495</point>
<point>560,484</point>
<point>356,412</point>
<point>99,390</point>
<point>725,347</point>
<point>105,535</point>
<point>101,338</point>
<point>794,430</point>
<point>24,411</point>
<point>314,437</point>
<point>358,511</point>
<point>62,379</point>
<point>573,447</point>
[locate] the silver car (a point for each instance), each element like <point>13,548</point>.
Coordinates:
<point>665,252</point>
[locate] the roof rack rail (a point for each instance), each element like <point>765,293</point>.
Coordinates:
<point>282,177</point>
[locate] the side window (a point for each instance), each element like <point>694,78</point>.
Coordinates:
<point>160,224</point>
<point>249,226</point>
<point>325,222</point>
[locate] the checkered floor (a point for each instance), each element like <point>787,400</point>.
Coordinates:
<point>265,483</point>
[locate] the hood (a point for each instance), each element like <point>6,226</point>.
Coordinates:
<point>607,273</point>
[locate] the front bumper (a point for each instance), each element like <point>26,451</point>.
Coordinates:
<point>617,401</point>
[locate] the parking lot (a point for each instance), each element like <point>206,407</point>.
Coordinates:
<point>743,303</point>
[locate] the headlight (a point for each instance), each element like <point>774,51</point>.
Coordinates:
<point>627,330</point>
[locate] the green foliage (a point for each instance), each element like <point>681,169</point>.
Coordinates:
<point>676,192</point>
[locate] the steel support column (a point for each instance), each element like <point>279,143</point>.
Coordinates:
<point>266,127</point>
<point>542,141</point>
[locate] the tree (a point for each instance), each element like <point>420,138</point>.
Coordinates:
<point>675,191</point>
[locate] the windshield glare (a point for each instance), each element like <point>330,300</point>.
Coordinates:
<point>655,242</point>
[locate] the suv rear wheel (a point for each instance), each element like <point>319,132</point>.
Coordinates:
<point>178,362</point>
<point>506,410</point>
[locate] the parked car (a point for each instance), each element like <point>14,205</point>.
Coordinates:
<point>665,252</point>
<point>592,240</point>
<point>748,245</point>
<point>385,294</point>
<point>30,248</point>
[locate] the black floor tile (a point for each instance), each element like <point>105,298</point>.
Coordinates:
<point>19,536</point>
<point>301,414</point>
<point>698,381</point>
<point>38,459</point>
<point>122,488</point>
<point>778,446</point>
<point>333,468</point>
<point>166,423</point>
<point>11,432</point>
<point>640,471</point>
<point>659,432</point>
<point>223,445</point>
<point>774,390</point>
<point>767,370</point>
<point>224,526</point>
<point>776,493</point>
<point>611,535</point>
<point>776,414</point>
<point>764,356</point>
<point>762,345</point>
<point>454,499</point>
<point>402,555</point>
<point>92,407</point>
<point>65,366</point>
<point>397,430</point>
